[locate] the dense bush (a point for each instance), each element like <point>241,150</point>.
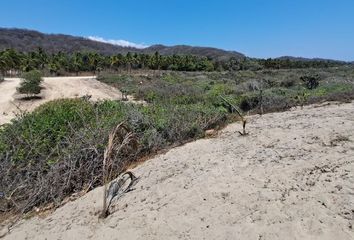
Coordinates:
<point>288,82</point>
<point>58,149</point>
<point>311,81</point>
<point>30,83</point>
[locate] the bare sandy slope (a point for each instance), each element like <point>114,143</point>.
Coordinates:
<point>54,88</point>
<point>291,178</point>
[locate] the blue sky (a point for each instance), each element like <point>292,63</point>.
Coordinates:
<point>258,28</point>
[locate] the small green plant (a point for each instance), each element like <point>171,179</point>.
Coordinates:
<point>302,98</point>
<point>31,83</point>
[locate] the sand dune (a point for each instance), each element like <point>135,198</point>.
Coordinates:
<point>54,88</point>
<point>292,177</point>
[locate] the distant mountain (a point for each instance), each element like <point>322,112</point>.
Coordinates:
<point>29,40</point>
<point>309,59</point>
<point>213,53</point>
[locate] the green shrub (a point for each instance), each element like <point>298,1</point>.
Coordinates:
<point>249,102</point>
<point>30,83</point>
<point>311,81</point>
<point>58,149</point>
<point>288,82</point>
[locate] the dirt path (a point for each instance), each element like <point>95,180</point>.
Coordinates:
<point>54,88</point>
<point>291,178</point>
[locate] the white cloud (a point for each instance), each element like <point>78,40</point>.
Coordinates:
<point>122,43</point>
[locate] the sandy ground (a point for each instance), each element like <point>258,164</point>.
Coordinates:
<point>292,177</point>
<point>54,88</point>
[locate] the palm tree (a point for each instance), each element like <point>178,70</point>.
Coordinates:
<point>116,61</point>
<point>9,60</point>
<point>76,62</point>
<point>93,59</point>
<point>129,61</point>
<point>41,58</point>
<point>3,63</point>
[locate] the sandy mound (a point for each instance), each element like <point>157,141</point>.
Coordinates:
<point>54,88</point>
<point>292,177</point>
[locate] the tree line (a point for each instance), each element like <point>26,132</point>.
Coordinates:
<point>61,62</point>
<point>55,63</point>
<point>289,64</point>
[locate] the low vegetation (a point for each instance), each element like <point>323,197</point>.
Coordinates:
<point>251,91</point>
<point>58,149</point>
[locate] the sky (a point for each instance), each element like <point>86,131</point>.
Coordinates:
<point>257,28</point>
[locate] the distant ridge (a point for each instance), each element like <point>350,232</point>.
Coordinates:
<point>29,40</point>
<point>210,52</point>
<point>309,59</point>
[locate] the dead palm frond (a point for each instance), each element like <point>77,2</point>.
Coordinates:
<point>243,119</point>
<point>121,140</point>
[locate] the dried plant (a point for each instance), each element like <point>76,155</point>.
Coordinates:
<point>120,139</point>
<point>243,119</point>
